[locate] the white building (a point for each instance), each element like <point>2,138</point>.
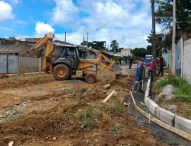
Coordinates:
<point>126,52</point>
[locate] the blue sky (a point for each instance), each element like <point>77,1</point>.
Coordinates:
<point>127,21</point>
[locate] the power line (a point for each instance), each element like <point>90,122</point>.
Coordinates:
<point>109,22</point>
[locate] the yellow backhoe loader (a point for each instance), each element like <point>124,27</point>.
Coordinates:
<point>63,61</point>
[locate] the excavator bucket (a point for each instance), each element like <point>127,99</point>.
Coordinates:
<point>116,68</point>
<point>118,71</point>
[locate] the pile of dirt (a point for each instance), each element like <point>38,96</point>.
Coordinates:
<point>125,82</point>
<point>81,124</point>
<point>105,76</point>
<point>16,81</point>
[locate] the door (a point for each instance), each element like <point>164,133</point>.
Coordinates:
<point>13,63</point>
<point>3,63</point>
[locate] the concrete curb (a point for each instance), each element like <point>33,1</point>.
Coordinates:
<point>151,105</point>
<point>165,115</point>
<point>183,124</point>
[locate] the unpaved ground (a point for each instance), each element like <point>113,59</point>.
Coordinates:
<point>38,111</point>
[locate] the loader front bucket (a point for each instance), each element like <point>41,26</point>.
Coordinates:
<point>116,69</point>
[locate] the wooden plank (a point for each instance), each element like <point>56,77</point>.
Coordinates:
<point>162,124</point>
<point>109,96</point>
<point>142,84</point>
<point>132,98</point>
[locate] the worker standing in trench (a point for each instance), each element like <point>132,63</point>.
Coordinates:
<point>138,76</point>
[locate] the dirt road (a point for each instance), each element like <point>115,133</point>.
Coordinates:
<point>38,111</point>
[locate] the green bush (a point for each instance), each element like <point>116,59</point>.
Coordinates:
<point>182,87</point>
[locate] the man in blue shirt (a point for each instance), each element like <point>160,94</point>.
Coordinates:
<point>138,76</point>
<point>65,54</point>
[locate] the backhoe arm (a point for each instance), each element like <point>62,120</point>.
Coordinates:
<point>104,61</point>
<point>47,41</point>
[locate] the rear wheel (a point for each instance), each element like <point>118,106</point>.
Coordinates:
<point>90,78</point>
<point>61,72</point>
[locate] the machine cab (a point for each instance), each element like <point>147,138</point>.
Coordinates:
<point>67,54</point>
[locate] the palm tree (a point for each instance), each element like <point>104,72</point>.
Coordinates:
<point>114,46</point>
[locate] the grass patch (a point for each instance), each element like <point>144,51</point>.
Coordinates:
<point>182,87</point>
<point>82,91</point>
<point>87,119</point>
<point>114,128</point>
<point>118,107</point>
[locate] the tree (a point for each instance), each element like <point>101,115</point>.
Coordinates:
<point>149,49</point>
<point>139,52</point>
<point>159,43</point>
<point>114,46</point>
<point>98,45</point>
<point>183,15</point>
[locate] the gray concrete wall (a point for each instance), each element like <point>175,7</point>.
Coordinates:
<point>173,56</point>
<point>186,65</point>
<point>178,57</point>
<point>28,64</point>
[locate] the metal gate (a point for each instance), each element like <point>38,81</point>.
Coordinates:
<point>9,63</point>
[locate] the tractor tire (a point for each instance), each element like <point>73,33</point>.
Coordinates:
<point>61,72</point>
<point>90,78</point>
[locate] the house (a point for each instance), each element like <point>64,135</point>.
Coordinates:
<point>14,56</point>
<point>126,52</point>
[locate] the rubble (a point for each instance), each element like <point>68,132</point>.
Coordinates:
<point>167,93</point>
<point>107,86</point>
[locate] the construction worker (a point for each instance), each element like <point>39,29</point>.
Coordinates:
<point>65,54</point>
<point>130,62</point>
<point>161,65</point>
<point>152,69</point>
<point>138,76</point>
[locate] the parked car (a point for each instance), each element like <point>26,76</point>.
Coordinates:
<point>147,59</point>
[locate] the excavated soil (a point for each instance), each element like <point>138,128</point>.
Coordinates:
<point>40,111</point>
<point>24,80</point>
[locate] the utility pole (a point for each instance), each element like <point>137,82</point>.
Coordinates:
<point>83,40</point>
<point>87,38</point>
<point>105,46</point>
<point>174,37</point>
<point>153,28</point>
<point>65,36</point>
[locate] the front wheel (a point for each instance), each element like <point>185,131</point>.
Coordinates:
<point>90,78</point>
<point>61,72</point>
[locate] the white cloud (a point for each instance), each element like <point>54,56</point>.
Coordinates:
<point>126,21</point>
<point>63,10</point>
<point>75,38</point>
<point>5,11</point>
<point>43,28</point>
